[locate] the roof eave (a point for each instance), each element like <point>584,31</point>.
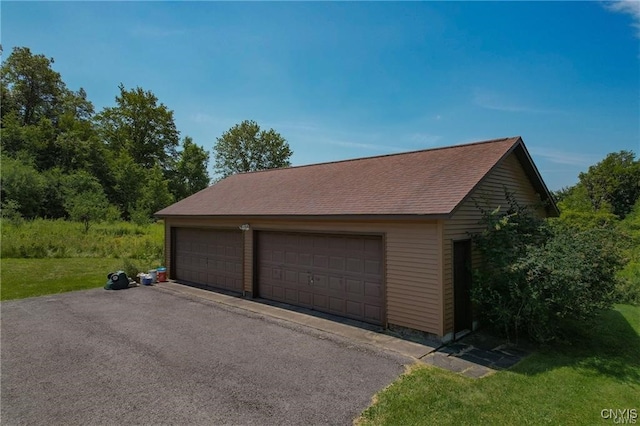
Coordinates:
<point>331,217</point>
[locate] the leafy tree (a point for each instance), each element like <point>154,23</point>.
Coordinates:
<point>628,288</point>
<point>12,132</point>
<point>246,148</point>
<point>53,200</point>
<point>614,181</point>
<point>190,174</point>
<point>141,127</point>
<point>22,184</point>
<point>577,210</point>
<point>42,118</point>
<point>85,200</point>
<point>155,194</point>
<point>126,181</point>
<point>87,207</point>
<point>30,87</point>
<point>10,211</point>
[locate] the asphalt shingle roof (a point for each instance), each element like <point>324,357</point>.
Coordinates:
<point>428,182</point>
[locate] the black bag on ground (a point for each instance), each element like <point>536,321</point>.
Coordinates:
<point>117,281</point>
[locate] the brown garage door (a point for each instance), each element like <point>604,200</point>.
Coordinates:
<point>337,274</point>
<point>208,257</point>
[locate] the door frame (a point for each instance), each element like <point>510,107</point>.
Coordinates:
<point>462,321</point>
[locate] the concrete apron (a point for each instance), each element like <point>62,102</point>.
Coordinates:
<point>359,335</point>
<point>440,357</point>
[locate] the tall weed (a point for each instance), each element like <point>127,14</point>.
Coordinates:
<point>42,238</point>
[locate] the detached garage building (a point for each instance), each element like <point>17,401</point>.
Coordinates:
<point>385,240</point>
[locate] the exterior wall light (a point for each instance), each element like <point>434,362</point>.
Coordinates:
<point>244,227</point>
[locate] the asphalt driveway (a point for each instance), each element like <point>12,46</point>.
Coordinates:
<point>148,356</point>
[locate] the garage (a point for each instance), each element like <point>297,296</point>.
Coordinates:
<point>376,239</point>
<point>208,257</point>
<point>336,274</point>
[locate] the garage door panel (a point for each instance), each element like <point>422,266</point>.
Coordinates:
<point>290,257</point>
<point>354,265</point>
<point>290,276</point>
<point>354,308</point>
<point>346,272</point>
<point>277,292</point>
<point>372,267</point>
<point>320,302</point>
<point>336,263</point>
<point>337,244</point>
<point>277,256</point>
<point>320,282</point>
<point>209,257</point>
<point>355,287</point>
<point>337,305</point>
<point>355,244</point>
<point>320,261</point>
<point>291,295</point>
<point>305,298</point>
<point>372,289</point>
<point>373,313</point>
<point>304,260</point>
<point>336,284</point>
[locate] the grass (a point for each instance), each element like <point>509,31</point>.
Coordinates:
<point>41,238</point>
<point>568,384</point>
<point>53,256</point>
<point>36,277</point>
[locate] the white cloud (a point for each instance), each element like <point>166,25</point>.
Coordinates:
<point>489,99</point>
<point>563,157</point>
<point>426,139</point>
<point>368,146</point>
<point>201,118</point>
<point>629,7</point>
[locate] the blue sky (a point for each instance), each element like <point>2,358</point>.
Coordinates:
<point>347,80</point>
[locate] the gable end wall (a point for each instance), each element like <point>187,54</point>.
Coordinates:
<point>489,194</point>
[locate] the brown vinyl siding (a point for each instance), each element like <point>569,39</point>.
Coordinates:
<point>489,194</point>
<point>413,278</point>
<point>412,261</point>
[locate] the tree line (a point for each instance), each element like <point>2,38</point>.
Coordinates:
<point>61,159</point>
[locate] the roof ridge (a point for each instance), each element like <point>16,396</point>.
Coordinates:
<point>385,155</point>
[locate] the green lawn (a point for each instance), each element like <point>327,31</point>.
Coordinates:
<point>37,277</point>
<point>53,256</point>
<point>567,384</point>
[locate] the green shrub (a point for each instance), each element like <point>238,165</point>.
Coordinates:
<point>140,216</point>
<point>627,288</point>
<point>534,274</point>
<point>11,212</point>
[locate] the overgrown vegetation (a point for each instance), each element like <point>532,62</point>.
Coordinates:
<point>52,256</point>
<point>563,384</point>
<point>607,196</point>
<point>536,274</point>
<point>40,238</point>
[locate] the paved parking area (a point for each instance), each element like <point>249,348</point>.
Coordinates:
<point>151,356</point>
